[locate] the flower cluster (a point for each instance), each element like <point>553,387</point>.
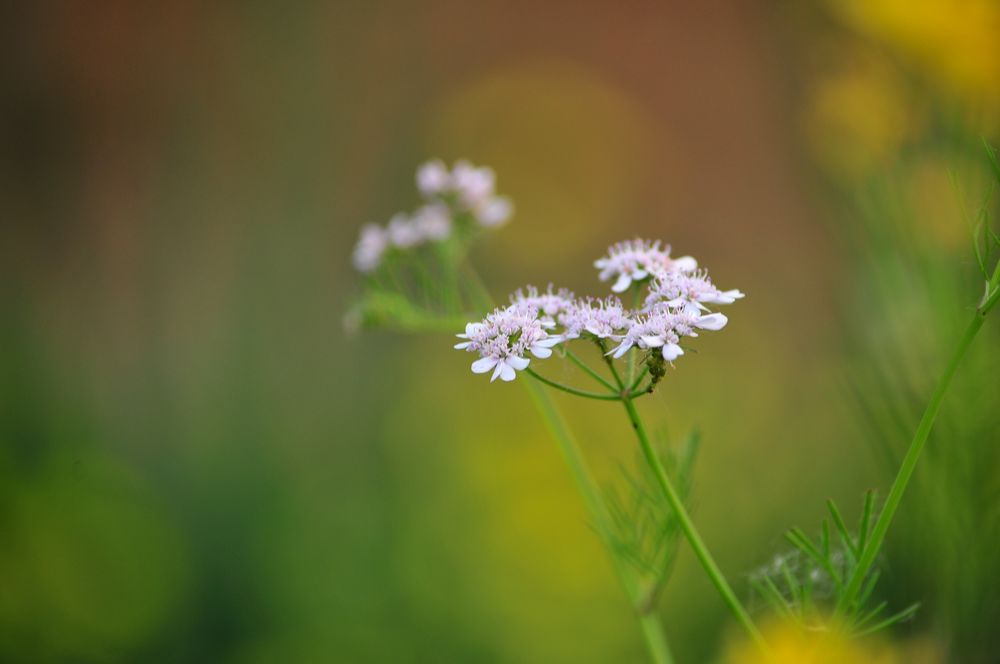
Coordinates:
<point>675,307</point>
<point>635,260</point>
<point>469,188</point>
<point>504,338</point>
<point>450,195</point>
<point>687,290</point>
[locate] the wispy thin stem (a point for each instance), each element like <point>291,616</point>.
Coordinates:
<point>687,527</point>
<point>593,374</point>
<point>909,463</point>
<point>572,390</point>
<point>638,379</point>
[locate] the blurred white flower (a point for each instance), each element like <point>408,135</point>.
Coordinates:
<point>433,178</point>
<point>371,245</point>
<point>494,211</point>
<point>432,222</point>
<point>402,232</point>
<point>467,188</point>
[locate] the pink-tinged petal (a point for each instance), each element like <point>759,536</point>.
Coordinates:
<point>651,341</point>
<point>507,374</point>
<point>519,363</point>
<point>622,284</point>
<point>685,264</point>
<point>671,352</point>
<point>483,364</point>
<point>712,322</point>
<point>541,352</point>
<point>498,371</point>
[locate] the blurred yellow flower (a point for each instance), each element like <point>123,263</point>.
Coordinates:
<point>793,644</point>
<point>954,43</point>
<point>857,118</point>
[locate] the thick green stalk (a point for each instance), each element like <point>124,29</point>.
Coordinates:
<point>687,527</point>
<point>909,463</point>
<point>655,640</point>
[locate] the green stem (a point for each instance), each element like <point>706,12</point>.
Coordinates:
<point>593,374</point>
<point>611,363</point>
<point>652,631</point>
<point>638,379</point>
<point>571,390</point>
<point>687,527</point>
<point>655,640</point>
<point>909,464</point>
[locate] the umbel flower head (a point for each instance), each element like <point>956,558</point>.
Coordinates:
<point>504,338</point>
<point>469,188</point>
<point>675,308</point>
<point>688,290</point>
<point>466,191</point>
<point>635,260</point>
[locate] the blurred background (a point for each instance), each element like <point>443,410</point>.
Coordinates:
<point>198,464</point>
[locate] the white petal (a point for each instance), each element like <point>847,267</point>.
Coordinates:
<point>651,341</point>
<point>712,322</point>
<point>622,284</point>
<point>685,264</point>
<point>541,352</point>
<point>549,342</point>
<point>621,350</point>
<point>640,274</point>
<point>507,374</point>
<point>464,344</point>
<point>519,363</point>
<point>498,371</point>
<point>472,328</point>
<point>671,352</point>
<point>483,364</point>
<point>735,294</point>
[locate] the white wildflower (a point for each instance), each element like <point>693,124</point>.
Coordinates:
<point>494,211</point>
<point>467,188</point>
<point>601,318</point>
<point>402,232</point>
<point>504,338</point>
<point>635,260</point>
<point>433,178</point>
<point>371,245</point>
<point>692,290</point>
<point>432,222</point>
<point>665,329</point>
<point>549,304</point>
